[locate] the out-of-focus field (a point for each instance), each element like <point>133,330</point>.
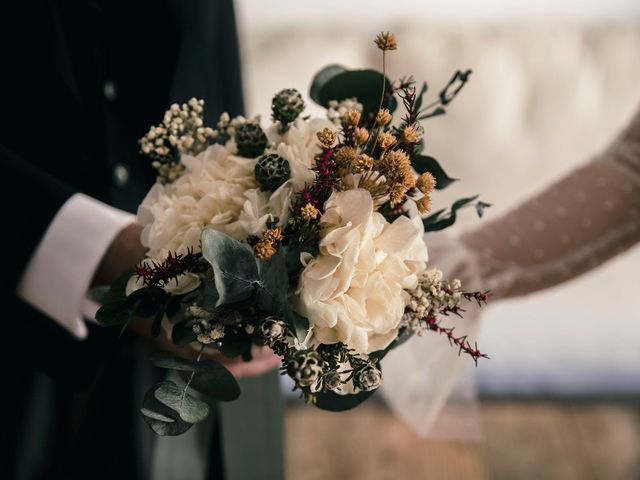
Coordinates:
<point>522,440</point>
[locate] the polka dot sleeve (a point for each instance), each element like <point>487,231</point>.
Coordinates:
<point>576,224</point>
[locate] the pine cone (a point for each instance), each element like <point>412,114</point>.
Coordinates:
<point>250,140</point>
<point>272,171</point>
<point>286,106</point>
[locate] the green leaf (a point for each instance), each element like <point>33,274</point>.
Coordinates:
<point>234,266</point>
<point>420,96</point>
<point>210,295</point>
<point>320,80</point>
<point>423,163</point>
<point>114,313</point>
<point>455,85</point>
<point>443,219</point>
<point>334,402</point>
<point>160,418</point>
<point>274,283</point>
<point>216,382</point>
<point>182,334</point>
<point>300,326</point>
<point>148,301</point>
<point>433,113</point>
<point>337,83</point>
<point>235,343</point>
<point>113,292</point>
<point>211,377</point>
<point>189,408</point>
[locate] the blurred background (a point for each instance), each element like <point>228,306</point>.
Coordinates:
<point>553,83</point>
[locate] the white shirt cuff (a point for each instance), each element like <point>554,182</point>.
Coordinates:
<point>59,273</point>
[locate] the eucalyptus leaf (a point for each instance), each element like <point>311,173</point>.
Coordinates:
<point>182,334</point>
<point>274,283</point>
<point>189,408</point>
<point>147,301</point>
<point>114,313</point>
<point>113,292</point>
<point>300,326</point>
<point>235,344</point>
<point>337,83</point>
<point>211,377</point>
<point>424,163</point>
<point>216,382</point>
<point>321,78</point>
<point>161,419</point>
<point>234,267</point>
<point>334,402</point>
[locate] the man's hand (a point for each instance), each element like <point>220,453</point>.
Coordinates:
<point>263,360</point>
<point>123,254</point>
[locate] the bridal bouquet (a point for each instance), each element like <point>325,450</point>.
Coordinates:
<point>305,235</point>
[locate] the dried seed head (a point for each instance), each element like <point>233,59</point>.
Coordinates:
<point>327,137</point>
<point>345,156</point>
<point>352,118</point>
<point>383,117</point>
<point>363,163</point>
<point>397,194</point>
<point>361,135</point>
<point>272,235</point>
<point>410,135</point>
<point>264,250</point>
<point>424,204</point>
<point>396,167</point>
<point>386,41</point>
<point>386,140</point>
<point>309,212</point>
<point>426,183</point>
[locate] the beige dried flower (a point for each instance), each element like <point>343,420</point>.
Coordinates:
<point>386,140</point>
<point>383,117</point>
<point>272,235</point>
<point>361,135</point>
<point>363,163</point>
<point>410,135</point>
<point>327,137</point>
<point>386,41</point>
<point>424,204</point>
<point>352,117</point>
<point>309,212</point>
<point>264,250</point>
<point>426,183</point>
<point>345,156</point>
<point>396,167</point>
<point>397,194</point>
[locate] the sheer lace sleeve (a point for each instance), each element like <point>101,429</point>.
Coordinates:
<point>587,217</point>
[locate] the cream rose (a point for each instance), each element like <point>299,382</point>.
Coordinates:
<point>353,291</point>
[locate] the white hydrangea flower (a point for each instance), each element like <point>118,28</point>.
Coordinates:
<point>353,291</point>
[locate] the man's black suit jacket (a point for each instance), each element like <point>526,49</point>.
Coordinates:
<point>80,83</point>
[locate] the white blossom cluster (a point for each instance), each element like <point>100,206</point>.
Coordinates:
<point>204,326</point>
<point>182,131</point>
<point>337,110</point>
<point>430,297</point>
<point>226,127</point>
